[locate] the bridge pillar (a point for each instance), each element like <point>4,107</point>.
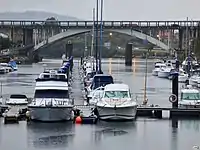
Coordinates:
<point>69,50</point>
<point>128,55</point>
<point>27,36</point>
<point>180,39</point>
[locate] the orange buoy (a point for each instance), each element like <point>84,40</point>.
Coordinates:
<point>78,120</point>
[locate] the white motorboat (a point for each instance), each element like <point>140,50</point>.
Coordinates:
<point>164,72</point>
<point>183,76</point>
<point>99,80</point>
<point>193,62</point>
<point>190,98</point>
<point>2,70</point>
<point>17,99</point>
<point>157,68</point>
<point>96,96</point>
<point>51,99</point>
<point>116,103</point>
<point>193,80</point>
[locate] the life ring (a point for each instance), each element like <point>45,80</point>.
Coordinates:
<point>173,98</point>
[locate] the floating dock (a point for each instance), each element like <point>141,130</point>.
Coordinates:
<point>157,112</point>
<point>85,114</point>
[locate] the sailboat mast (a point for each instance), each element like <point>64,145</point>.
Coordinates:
<point>92,46</point>
<point>101,36</point>
<point>1,89</point>
<point>97,24</point>
<point>188,50</point>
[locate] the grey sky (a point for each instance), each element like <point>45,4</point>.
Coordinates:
<point>113,9</point>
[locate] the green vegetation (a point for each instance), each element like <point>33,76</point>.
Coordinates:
<point>4,43</point>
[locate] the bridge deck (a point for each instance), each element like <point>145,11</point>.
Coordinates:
<point>106,24</point>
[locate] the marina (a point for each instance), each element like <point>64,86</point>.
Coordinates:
<point>156,94</point>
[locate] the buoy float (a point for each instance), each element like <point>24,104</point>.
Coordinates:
<point>78,120</point>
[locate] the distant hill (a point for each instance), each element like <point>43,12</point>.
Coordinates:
<point>34,15</point>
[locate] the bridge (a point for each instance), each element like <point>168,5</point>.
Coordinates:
<point>43,33</point>
<point>74,32</point>
<point>106,24</point>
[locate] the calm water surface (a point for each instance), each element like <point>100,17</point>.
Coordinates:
<point>142,134</point>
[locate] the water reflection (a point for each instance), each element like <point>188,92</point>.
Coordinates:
<point>174,134</point>
<point>53,135</point>
<point>111,129</point>
<point>190,124</point>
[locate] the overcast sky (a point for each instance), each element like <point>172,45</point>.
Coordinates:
<point>113,9</point>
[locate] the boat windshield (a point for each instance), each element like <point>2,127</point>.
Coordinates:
<point>190,96</point>
<point>51,94</point>
<point>116,94</point>
<point>17,96</point>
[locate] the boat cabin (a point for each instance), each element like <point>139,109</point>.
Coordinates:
<point>101,80</point>
<point>190,94</point>
<point>116,91</point>
<point>53,75</point>
<point>17,99</point>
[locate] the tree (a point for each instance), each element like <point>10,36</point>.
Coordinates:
<point>4,43</point>
<point>51,21</point>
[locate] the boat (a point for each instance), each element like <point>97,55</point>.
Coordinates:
<point>195,78</point>
<point>89,76</point>
<point>116,103</point>
<point>190,98</point>
<point>96,95</point>
<point>158,66</point>
<point>193,62</point>
<point>5,68</point>
<point>183,76</point>
<point>13,65</point>
<point>98,81</point>
<point>51,99</point>
<point>17,99</point>
<point>2,70</point>
<point>164,72</point>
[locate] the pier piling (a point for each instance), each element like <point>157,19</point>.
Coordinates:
<point>175,89</point>
<point>128,55</point>
<point>69,49</point>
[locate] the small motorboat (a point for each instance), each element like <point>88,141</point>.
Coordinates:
<point>17,99</point>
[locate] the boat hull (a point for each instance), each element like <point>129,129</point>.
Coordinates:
<point>155,72</point>
<point>163,74</point>
<point>50,114</point>
<point>118,113</point>
<point>182,78</point>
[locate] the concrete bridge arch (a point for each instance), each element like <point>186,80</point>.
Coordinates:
<point>73,32</point>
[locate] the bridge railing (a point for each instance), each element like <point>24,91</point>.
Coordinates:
<point>70,24</point>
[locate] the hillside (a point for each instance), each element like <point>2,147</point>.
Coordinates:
<point>34,15</point>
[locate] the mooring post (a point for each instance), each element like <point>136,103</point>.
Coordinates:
<point>175,89</point>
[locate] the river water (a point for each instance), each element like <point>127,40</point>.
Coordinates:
<point>142,134</point>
